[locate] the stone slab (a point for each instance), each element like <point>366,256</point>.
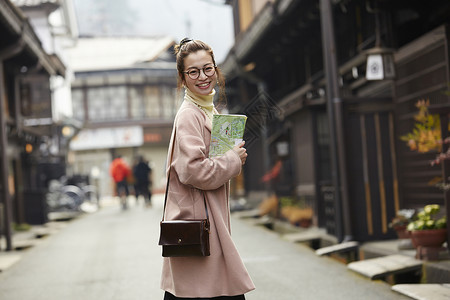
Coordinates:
<point>424,291</point>
<point>339,248</point>
<point>63,215</point>
<point>246,214</point>
<point>380,267</point>
<point>305,236</point>
<point>264,220</point>
<point>41,232</point>
<point>23,244</point>
<point>57,225</point>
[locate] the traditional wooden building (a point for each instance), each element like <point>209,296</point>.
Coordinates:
<point>124,92</point>
<point>30,138</point>
<point>329,87</point>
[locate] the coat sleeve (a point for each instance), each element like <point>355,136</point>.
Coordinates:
<point>190,160</point>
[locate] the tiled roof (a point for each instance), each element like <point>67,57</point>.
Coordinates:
<point>21,3</point>
<point>112,53</point>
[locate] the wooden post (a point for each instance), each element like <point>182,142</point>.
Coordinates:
<point>4,162</point>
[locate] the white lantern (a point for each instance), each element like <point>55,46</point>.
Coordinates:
<point>380,64</point>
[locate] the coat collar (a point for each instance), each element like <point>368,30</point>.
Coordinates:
<point>207,121</point>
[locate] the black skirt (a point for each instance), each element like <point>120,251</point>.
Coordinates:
<point>169,296</point>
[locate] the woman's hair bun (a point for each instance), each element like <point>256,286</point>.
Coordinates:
<point>177,48</point>
<point>185,41</point>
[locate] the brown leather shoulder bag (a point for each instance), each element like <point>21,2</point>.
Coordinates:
<point>181,238</point>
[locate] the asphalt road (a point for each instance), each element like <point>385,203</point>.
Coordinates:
<point>113,254</point>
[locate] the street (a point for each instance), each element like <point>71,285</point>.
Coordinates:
<point>113,254</point>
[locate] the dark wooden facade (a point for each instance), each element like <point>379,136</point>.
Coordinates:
<point>282,54</point>
<point>26,124</point>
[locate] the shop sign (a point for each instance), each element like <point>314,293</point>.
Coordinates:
<point>101,138</point>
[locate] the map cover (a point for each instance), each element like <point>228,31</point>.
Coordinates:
<point>227,131</point>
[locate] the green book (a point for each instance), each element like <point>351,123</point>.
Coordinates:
<point>227,131</point>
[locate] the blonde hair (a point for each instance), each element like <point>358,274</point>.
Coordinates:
<point>188,46</point>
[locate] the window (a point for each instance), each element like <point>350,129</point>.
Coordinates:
<point>152,103</point>
<point>168,102</point>
<point>78,104</point>
<point>136,103</point>
<point>118,103</point>
<point>108,103</point>
<point>96,104</point>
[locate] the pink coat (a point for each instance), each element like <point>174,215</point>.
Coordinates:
<point>223,273</point>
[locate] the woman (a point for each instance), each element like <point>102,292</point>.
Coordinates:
<point>222,275</point>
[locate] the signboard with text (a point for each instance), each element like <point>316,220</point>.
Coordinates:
<point>119,137</point>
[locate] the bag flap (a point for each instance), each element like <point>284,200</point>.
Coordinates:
<point>182,232</point>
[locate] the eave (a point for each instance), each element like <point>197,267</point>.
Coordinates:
<point>15,22</point>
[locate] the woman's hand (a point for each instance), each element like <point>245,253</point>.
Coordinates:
<point>241,151</point>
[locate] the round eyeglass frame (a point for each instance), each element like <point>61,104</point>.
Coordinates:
<point>202,69</point>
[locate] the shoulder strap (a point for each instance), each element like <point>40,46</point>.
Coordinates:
<point>168,179</point>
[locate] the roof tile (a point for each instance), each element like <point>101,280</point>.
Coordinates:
<point>21,3</point>
<point>108,53</point>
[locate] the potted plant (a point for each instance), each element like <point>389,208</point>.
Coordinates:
<point>428,229</point>
<point>400,222</point>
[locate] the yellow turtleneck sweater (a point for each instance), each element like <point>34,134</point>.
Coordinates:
<point>204,102</point>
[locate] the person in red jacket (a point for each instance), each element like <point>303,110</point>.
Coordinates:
<point>120,171</point>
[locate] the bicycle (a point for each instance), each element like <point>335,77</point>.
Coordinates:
<point>63,197</point>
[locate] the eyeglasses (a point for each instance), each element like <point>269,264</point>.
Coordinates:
<point>194,72</point>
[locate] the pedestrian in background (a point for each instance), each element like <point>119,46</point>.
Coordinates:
<point>222,275</point>
<point>120,171</point>
<point>142,176</point>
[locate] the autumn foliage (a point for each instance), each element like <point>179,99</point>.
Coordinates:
<point>426,134</point>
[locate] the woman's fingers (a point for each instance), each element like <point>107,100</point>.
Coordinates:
<point>241,151</point>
